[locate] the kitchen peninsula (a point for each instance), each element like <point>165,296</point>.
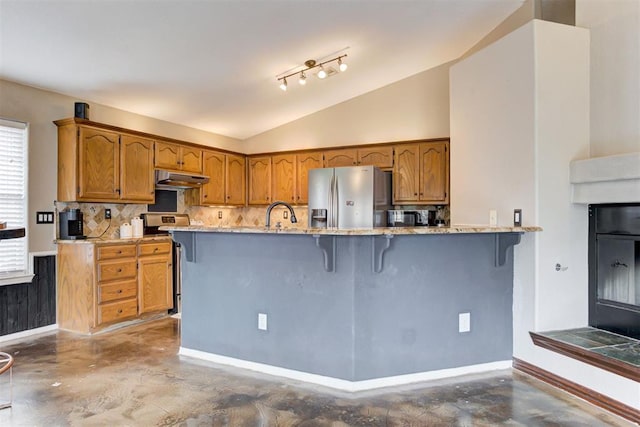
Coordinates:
<point>351,309</point>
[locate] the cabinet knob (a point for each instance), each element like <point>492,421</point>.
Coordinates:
<point>119,311</point>
<point>415,194</point>
<point>155,249</point>
<point>119,252</point>
<point>119,291</point>
<point>119,270</point>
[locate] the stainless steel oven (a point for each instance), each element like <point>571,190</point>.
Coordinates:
<point>151,222</point>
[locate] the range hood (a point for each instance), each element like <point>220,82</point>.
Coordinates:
<point>175,180</point>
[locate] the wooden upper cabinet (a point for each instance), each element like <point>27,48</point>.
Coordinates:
<point>406,173</point>
<point>284,177</point>
<point>136,169</point>
<point>421,173</point>
<point>341,157</point>
<point>98,164</point>
<point>213,166</point>
<point>235,184</point>
<point>260,180</point>
<point>381,157</point>
<point>304,163</point>
<point>167,156</point>
<point>191,159</point>
<point>178,157</point>
<point>434,173</point>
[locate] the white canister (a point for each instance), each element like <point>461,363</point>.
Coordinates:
<point>136,226</point>
<point>125,231</point>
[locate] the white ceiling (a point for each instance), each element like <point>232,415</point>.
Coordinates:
<point>212,65</point>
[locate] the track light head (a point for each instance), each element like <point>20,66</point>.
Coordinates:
<point>283,85</point>
<point>341,65</point>
<point>303,79</point>
<point>322,73</point>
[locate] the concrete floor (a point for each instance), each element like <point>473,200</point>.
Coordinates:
<point>133,376</point>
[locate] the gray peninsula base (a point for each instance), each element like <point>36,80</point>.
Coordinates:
<point>352,323</point>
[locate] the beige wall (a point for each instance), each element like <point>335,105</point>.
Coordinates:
<point>414,108</point>
<point>40,108</point>
<point>615,74</point>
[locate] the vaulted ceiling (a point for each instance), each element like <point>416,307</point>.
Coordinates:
<point>212,64</point>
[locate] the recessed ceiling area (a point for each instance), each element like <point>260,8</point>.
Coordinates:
<point>212,65</point>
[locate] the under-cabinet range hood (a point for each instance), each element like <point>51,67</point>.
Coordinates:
<point>175,180</point>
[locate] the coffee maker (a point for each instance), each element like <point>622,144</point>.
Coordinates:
<point>70,225</point>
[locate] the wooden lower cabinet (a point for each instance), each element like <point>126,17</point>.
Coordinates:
<point>155,278</point>
<point>100,284</point>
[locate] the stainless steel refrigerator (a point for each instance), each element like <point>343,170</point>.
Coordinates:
<point>349,197</point>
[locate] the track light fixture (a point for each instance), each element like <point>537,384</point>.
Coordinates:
<point>310,65</point>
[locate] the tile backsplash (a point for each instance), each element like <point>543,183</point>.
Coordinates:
<point>95,224</point>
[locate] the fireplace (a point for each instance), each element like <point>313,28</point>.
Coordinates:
<point>614,268</point>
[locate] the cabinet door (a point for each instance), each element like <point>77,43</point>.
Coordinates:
<point>191,160</point>
<point>338,158</point>
<point>283,168</point>
<point>260,180</point>
<point>98,164</point>
<point>213,166</point>
<point>235,179</point>
<point>167,156</point>
<point>381,157</point>
<point>406,173</point>
<point>155,283</point>
<point>136,169</point>
<point>434,173</point>
<point>305,162</point>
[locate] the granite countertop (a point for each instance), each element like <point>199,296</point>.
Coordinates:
<point>106,240</point>
<point>454,229</point>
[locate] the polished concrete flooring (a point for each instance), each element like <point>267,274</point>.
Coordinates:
<point>134,377</point>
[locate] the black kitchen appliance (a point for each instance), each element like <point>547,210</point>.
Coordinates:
<point>151,222</point>
<point>70,225</point>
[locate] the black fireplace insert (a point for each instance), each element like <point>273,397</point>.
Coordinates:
<point>614,268</point>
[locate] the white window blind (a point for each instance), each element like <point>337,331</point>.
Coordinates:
<point>13,195</point>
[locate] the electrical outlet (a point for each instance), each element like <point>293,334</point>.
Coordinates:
<point>107,214</point>
<point>262,321</point>
<point>285,214</point>
<point>493,217</point>
<point>464,322</point>
<point>219,214</point>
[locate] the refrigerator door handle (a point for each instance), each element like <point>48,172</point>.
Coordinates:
<point>330,215</point>
<point>336,205</point>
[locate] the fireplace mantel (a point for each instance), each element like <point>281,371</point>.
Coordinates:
<point>611,179</point>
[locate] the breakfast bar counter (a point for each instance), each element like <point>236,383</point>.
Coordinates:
<point>351,309</point>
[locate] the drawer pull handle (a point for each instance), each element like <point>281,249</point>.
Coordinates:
<point>119,311</point>
<point>119,270</point>
<point>119,291</point>
<point>155,249</point>
<point>119,252</point>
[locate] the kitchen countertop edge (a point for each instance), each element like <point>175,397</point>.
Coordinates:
<point>455,229</point>
<point>94,240</point>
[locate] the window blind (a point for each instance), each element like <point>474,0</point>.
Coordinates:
<point>13,194</point>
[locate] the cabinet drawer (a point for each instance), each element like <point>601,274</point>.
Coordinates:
<point>156,248</point>
<point>116,251</point>
<point>117,270</point>
<point>117,311</point>
<point>116,291</point>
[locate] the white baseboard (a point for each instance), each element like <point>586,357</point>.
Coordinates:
<point>345,385</point>
<point>28,333</point>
